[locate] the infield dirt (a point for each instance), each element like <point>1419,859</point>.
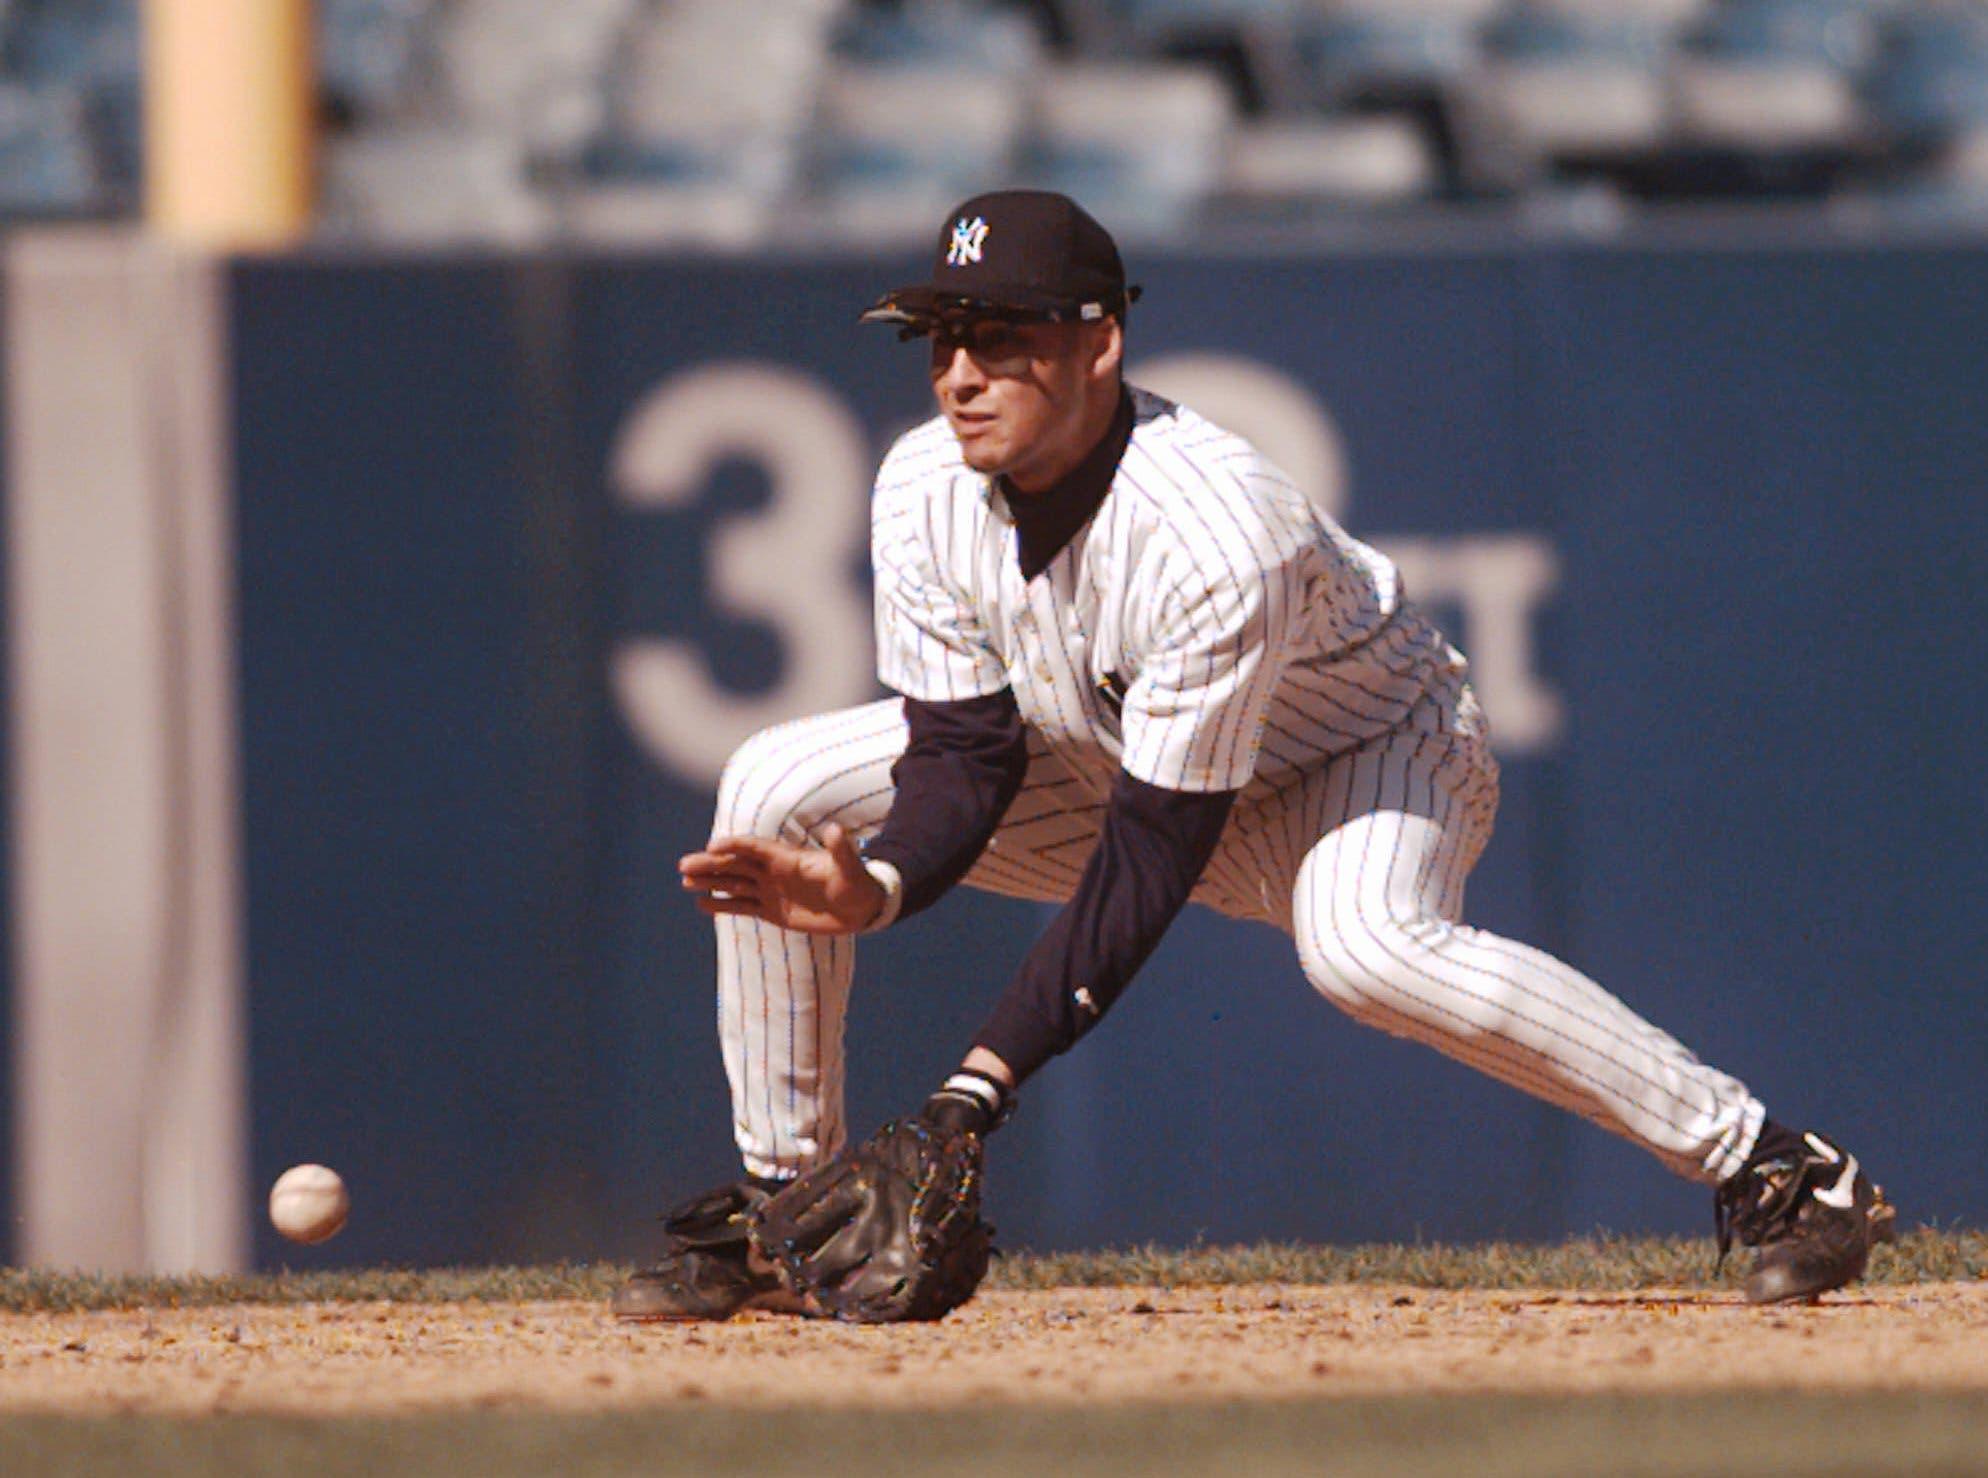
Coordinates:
<point>1025,1348</point>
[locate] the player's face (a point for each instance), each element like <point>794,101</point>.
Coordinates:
<point>1024,399</point>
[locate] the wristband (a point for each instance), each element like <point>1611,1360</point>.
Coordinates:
<point>970,1101</point>
<point>892,882</point>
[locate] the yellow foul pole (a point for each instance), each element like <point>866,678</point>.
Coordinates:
<point>229,103</point>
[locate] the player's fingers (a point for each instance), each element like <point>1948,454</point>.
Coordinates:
<point>841,849</point>
<point>759,850</point>
<point>714,864</point>
<point>736,884</point>
<point>716,870</point>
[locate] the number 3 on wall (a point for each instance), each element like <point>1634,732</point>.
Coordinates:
<point>785,564</point>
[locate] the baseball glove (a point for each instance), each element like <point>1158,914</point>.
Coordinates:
<point>888,1231</point>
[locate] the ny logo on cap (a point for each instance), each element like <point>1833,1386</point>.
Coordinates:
<point>968,239</point>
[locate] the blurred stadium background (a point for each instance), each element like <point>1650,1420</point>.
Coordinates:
<point>435,434</point>
<point>744,124</point>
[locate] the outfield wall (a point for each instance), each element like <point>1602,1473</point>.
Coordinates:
<point>521,548</point>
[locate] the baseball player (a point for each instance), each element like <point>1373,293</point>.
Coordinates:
<point>1135,668</point>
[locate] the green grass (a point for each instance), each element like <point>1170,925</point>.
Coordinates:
<point>1482,1436</point>
<point>1589,1264</point>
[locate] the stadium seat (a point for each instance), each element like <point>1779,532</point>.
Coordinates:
<point>48,166</point>
<point>1767,77</point>
<point>1361,50</point>
<point>1668,17</point>
<point>743,74</point>
<point>1569,108</point>
<point>1156,16</point>
<point>372,54</point>
<point>1295,171</point>
<point>1945,186</point>
<point>1838,34</point>
<point>1251,43</point>
<point>1930,80</point>
<point>689,190</point>
<point>1623,32</point>
<point>1141,144</point>
<point>882,170</point>
<point>720,121</point>
<point>1764,107</point>
<point>711,211</point>
<point>964,37</point>
<point>1963,172</point>
<point>84,43</point>
<point>1149,26</point>
<point>532,69</point>
<point>430,186</point>
<point>708,106</point>
<point>1568,86</point>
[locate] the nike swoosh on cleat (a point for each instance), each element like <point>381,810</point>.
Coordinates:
<point>1842,1195</point>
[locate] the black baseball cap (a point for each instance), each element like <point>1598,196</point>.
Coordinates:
<point>1020,254</point>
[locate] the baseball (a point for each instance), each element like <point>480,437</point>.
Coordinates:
<point>308,1203</point>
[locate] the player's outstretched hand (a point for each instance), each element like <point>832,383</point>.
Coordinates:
<point>817,890</point>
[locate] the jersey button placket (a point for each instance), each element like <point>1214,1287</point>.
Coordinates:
<point>1043,629</point>
<point>1028,647</point>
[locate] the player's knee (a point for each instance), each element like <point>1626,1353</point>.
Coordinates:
<point>764,788</point>
<point>1356,968</point>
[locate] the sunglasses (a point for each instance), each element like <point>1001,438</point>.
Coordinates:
<point>987,339</point>
<point>999,345</point>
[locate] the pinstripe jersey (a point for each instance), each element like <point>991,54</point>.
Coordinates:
<point>1208,630</point>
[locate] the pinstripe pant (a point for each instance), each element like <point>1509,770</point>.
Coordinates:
<point>1362,862</point>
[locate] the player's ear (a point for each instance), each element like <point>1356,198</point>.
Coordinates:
<point>1107,349</point>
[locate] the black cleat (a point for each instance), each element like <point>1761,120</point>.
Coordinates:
<point>706,1270</point>
<point>1813,1214</point>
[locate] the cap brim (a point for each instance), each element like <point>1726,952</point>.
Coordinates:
<point>918,305</point>
<point>899,308</point>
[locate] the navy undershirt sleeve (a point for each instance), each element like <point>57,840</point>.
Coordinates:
<point>959,772</point>
<point>1149,856</point>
